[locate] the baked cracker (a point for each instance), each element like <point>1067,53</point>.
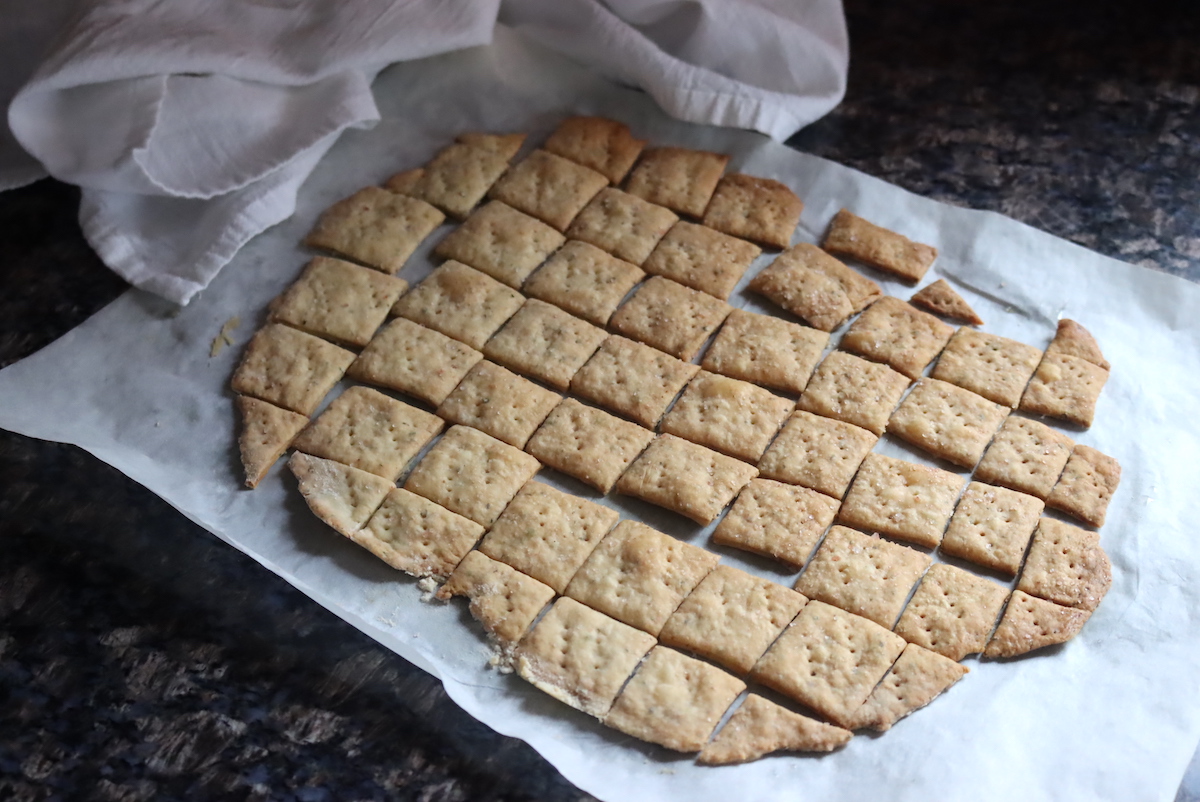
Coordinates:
<point>501,242</point>
<point>901,499</point>
<point>339,495</point>
<point>1065,387</point>
<point>992,526</point>
<point>458,177</point>
<point>289,368</point>
<point>585,281</point>
<point>632,379</point>
<point>732,416</point>
<point>702,258</point>
<point>1030,623</point>
<point>953,612</point>
<point>506,145</point>
<point>1087,485</point>
<point>680,179</point>
<point>420,362</point>
<point>545,342</point>
<point>851,389</point>
<point>403,183</point>
<point>941,299</point>
<point>996,368</point>
<point>503,599</point>
<point>759,727</point>
<point>622,224</point>
<point>460,302</point>
<point>266,432</point>
<point>548,187</point>
<point>1072,339</point>
<point>691,480</point>
<point>375,227</point>
<point>338,300</point>
<point>1066,565</point>
<point>604,145</point>
<point>776,520</point>
<point>852,236</point>
<point>418,537</point>
<point>918,677</point>
<point>897,334</point>
<point>765,350</point>
<point>670,317</point>
<point>817,452</point>
<point>947,421</point>
<point>499,402</point>
<point>588,444</point>
<point>814,286</point>
<point>1025,455</point>
<point>757,209</point>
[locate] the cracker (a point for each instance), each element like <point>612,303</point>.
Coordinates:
<point>897,334</point>
<point>815,287</point>
<point>503,599</point>
<point>863,574</point>
<point>757,209</point>
<point>289,368</point>
<point>460,302</point>
<point>678,178</point>
<point>458,177</point>
<point>766,350</point>
<point>691,480</point>
<point>1025,455</point>
<point>1072,339</point>
<point>501,242</point>
<point>953,612</point>
<point>588,444</point>
<point>632,379</point>
<point>1030,623</point>
<point>266,432</point>
<point>403,183</point>
<point>622,224</point>
<point>499,402</point>
<point>702,258</point>
<point>879,247</point>
<point>581,657</point>
<point>420,362</point>
<point>947,421</point>
<point>817,452</point>
<point>918,677</point>
<point>547,533</point>
<point>639,576</point>
<point>1087,485</point>
<point>375,227</point>
<point>992,526</point>
<point>941,299</point>
<point>776,520</point>
<point>670,317</point>
<point>339,495</point>
<point>1065,387</point>
<point>731,618</point>
<point>1066,565</point>
<point>732,416</point>
<point>901,499</point>
<point>996,368</point>
<point>418,537</point>
<point>585,281</point>
<point>829,660</point>
<point>371,431</point>
<point>472,474</point>
<point>604,145</point>
<point>853,390</point>
<point>674,701</point>
<point>545,342</point>
<point>506,145</point>
<point>759,727</point>
<point>548,187</point>
<point>338,301</point>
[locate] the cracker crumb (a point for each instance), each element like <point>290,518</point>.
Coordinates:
<point>224,337</point>
<point>428,585</point>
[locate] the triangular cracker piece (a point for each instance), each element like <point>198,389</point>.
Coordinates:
<point>267,431</point>
<point>339,495</point>
<point>941,299</point>
<point>760,727</point>
<point>1031,623</point>
<point>506,145</point>
<point>915,680</point>
<point>1074,340</point>
<point>405,183</point>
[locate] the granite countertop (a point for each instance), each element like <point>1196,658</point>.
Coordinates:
<point>141,658</point>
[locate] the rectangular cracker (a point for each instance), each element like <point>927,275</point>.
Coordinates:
<point>622,224</point>
<point>1087,485</point>
<point>548,187</point>
<point>1065,387</point>
<point>408,357</point>
<point>604,145</point>
<point>879,247</point>
<point>1030,623</point>
<point>585,281</point>
<point>341,496</point>
<point>265,433</point>
<point>501,242</point>
<point>670,317</point>
<point>460,302</point>
<point>759,727</point>
<point>680,179</point>
<point>766,350</point>
<point>338,300</point>
<point>499,402</point>
<point>901,499</point>
<point>691,480</point>
<point>458,177</point>
<point>418,537</point>
<point>632,379</point>
<point>702,258</point>
<point>588,444</point>
<point>753,208</point>
<point>897,334</point>
<point>996,368</point>
<point>776,520</point>
<point>814,286</point>
<point>992,526</point>
<point>545,342</point>
<point>732,416</point>
<point>850,389</point>
<point>947,421</point>
<point>918,677</point>
<point>953,612</point>
<point>375,227</point>
<point>1066,565</point>
<point>290,369</point>
<point>502,598</point>
<point>1025,455</point>
<point>817,452</point>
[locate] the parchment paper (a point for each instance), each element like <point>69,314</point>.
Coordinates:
<point>1112,715</point>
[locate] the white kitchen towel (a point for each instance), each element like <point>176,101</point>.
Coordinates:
<point>190,126</point>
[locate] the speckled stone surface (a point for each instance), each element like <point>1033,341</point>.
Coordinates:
<point>140,658</point>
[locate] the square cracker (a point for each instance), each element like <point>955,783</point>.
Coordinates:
<point>702,258</point>
<point>1087,485</point>
<point>581,657</point>
<point>500,241</point>
<point>874,245</point>
<point>499,402</point>
<point>548,187</point>
<point>670,317</point>
<point>863,574</point>
<point>639,575</point>
<point>622,224</point>
<point>1065,387</point>
<point>632,379</point>
<point>995,367</point>
<point>732,416</point>
<point>341,496</point>
<point>674,701</point>
<point>1031,623</point>
<point>418,537</point>
<point>289,368</point>
<point>266,432</point>
<point>420,362</point>
<point>1066,565</point>
<point>901,499</point>
<point>731,618</point>
<point>545,342</point>
<point>678,178</point>
<point>503,599</point>
<point>829,660</point>
<point>918,677</point>
<point>766,350</point>
<point>604,145</point>
<point>338,300</point>
<point>991,527</point>
<point>1025,455</point>
<point>589,444</point>
<point>814,286</point>
<point>757,209</point>
<point>547,533</point>
<point>853,390</point>
<point>953,612</point>
<point>817,452</point>
<point>686,478</point>
<point>776,520</point>
<point>585,281</point>
<point>947,421</point>
<point>458,177</point>
<point>472,474</point>
<point>371,431</point>
<point>375,227</point>
<point>897,334</point>
<point>759,727</point>
<point>1072,339</point>
<point>460,302</point>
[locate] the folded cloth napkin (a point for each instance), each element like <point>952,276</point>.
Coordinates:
<point>190,126</point>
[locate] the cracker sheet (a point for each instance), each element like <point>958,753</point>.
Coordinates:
<point>1113,715</point>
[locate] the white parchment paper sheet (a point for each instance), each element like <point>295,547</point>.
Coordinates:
<point>1112,715</point>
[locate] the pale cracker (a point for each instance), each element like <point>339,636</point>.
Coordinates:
<point>851,389</point>
<point>339,495</point>
<point>766,350</point>
<point>1065,387</point>
<point>403,183</point>
<point>545,342</point>
<point>953,612</point>
<point>460,302</point>
<point>732,416</point>
<point>499,402</point>
<point>604,145</point>
<point>266,432</point>
<point>1031,623</point>
<point>678,178</point>
<point>585,281</point>
<point>897,334</point>
<point>817,452</point>
<point>457,178</point>
<point>588,444</point>
<point>992,526</point>
<point>1025,455</point>
<point>1066,565</point>
<point>632,379</point>
<point>548,187</point>
<point>996,368</point>
<point>503,599</point>
<point>506,145</point>
<point>691,480</point>
<point>879,247</point>
<point>941,299</point>
<point>918,677</point>
<point>1087,485</point>
<point>757,209</point>
<point>702,258</point>
<point>289,368</point>
<point>408,357</point>
<point>375,227</point>
<point>901,499</point>
<point>776,520</point>
<point>947,421</point>
<point>622,224</point>
<point>338,301</point>
<point>1072,339</point>
<point>814,286</point>
<point>670,317</point>
<point>418,537</point>
<point>501,242</point>
<point>759,727</point>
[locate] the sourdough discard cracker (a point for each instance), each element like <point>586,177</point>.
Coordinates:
<point>897,334</point>
<point>901,499</point>
<point>420,362</point>
<point>765,350</point>
<point>458,177</point>
<point>759,727</point>
<point>418,537</point>
<point>1065,387</point>
<point>338,301</point>
<point>996,368</point>
<point>757,209</point>
<point>498,402</point>
<point>501,242</point>
<point>1066,565</point>
<point>680,179</point>
<point>953,612</point>
<point>604,145</point>
<point>503,599</point>
<point>289,368</point>
<point>266,432</point>
<point>588,444</point>
<point>339,495</point>
<point>941,299</point>
<point>702,258</point>
<point>1025,455</point>
<point>992,526</point>
<point>947,421</point>
<point>545,342</point>
<point>817,452</point>
<point>670,317</point>
<point>918,677</point>
<point>683,477</point>
<point>1086,485</point>
<point>814,286</point>
<point>585,281</point>
<point>1030,623</point>
<point>548,187</point>
<point>632,379</point>
<point>1072,339</point>
<point>852,236</point>
<point>375,227</point>
<point>622,224</point>
<point>460,302</point>
<point>776,520</point>
<point>853,390</point>
<point>732,416</point>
